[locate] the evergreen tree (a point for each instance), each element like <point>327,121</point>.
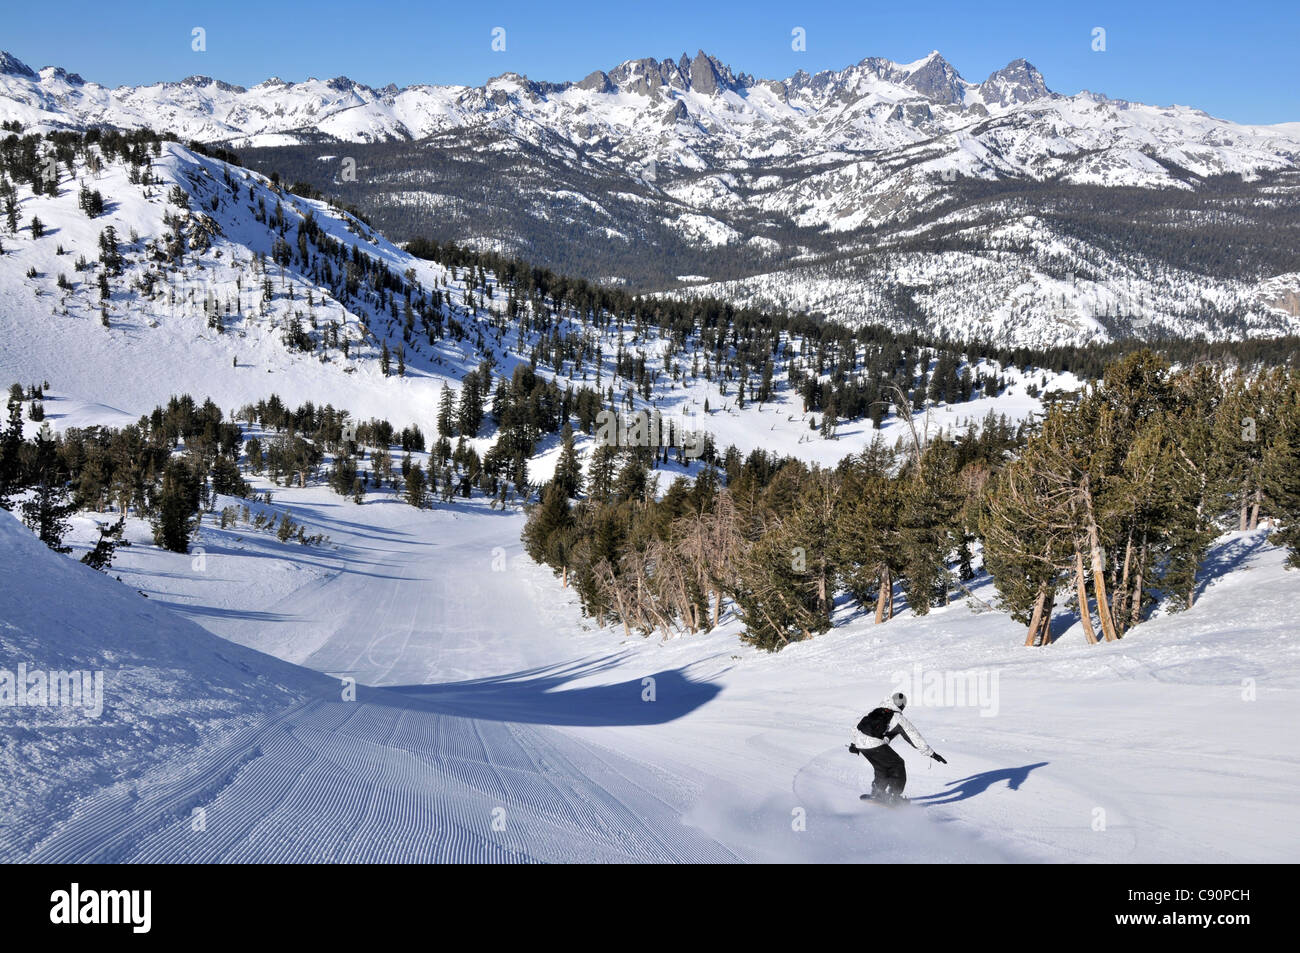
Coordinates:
<point>176,506</point>
<point>1280,471</point>
<point>548,535</point>
<point>604,463</point>
<point>110,537</point>
<point>343,475</point>
<point>11,442</point>
<point>568,471</point>
<point>46,512</point>
<point>446,413</point>
<point>867,535</point>
<point>788,580</point>
<point>415,486</point>
<point>931,503</point>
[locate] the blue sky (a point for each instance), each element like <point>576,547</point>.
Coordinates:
<point>1233,59</point>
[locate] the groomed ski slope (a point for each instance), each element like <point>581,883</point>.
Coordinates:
<point>492,725</point>
<point>387,777</point>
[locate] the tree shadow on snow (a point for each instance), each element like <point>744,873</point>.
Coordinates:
<point>1063,622</point>
<point>1221,560</point>
<point>535,696</point>
<point>1226,557</point>
<point>979,783</point>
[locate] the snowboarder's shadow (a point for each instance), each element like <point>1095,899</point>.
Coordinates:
<point>978,784</point>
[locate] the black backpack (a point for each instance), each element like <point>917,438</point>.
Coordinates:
<point>875,723</point>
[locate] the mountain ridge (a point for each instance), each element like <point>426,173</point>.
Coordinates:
<point>703,70</point>
<point>871,194</point>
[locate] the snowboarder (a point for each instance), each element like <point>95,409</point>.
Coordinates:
<point>871,739</point>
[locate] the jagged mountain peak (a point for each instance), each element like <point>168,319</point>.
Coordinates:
<point>702,73</point>
<point>937,80</point>
<point>202,82</point>
<point>1017,82</point>
<point>13,66</point>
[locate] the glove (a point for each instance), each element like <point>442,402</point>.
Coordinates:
<point>854,749</point>
<point>940,758</point>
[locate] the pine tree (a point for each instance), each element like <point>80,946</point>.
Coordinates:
<point>548,534</point>
<point>446,413</point>
<point>1280,471</point>
<point>931,503</point>
<point>415,486</point>
<point>11,442</point>
<point>568,471</point>
<point>46,512</point>
<point>343,475</point>
<point>109,253</point>
<point>867,535</point>
<point>472,393</point>
<point>176,506</point>
<point>604,463</point>
<point>110,537</point>
<point>788,579</point>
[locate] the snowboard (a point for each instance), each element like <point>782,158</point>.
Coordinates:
<point>898,802</point>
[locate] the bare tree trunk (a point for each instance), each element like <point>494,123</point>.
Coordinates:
<point>885,598</point>
<point>1121,586</point>
<point>1200,507</point>
<point>717,607</point>
<point>1035,619</point>
<point>1045,624</point>
<point>1254,509</point>
<point>1098,567</point>
<point>612,587</point>
<point>1081,586</point>
<point>1135,608</point>
<point>1040,623</point>
<point>1245,503</point>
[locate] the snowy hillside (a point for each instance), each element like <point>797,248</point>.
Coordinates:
<point>202,306</point>
<point>509,731</point>
<point>333,664</point>
<point>878,193</point>
<point>163,687</point>
<point>162,323</point>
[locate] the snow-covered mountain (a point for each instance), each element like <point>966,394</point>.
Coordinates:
<point>483,691</point>
<point>883,192</point>
<point>232,288</point>
<point>696,113</point>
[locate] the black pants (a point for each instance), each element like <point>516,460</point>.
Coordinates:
<point>891,773</point>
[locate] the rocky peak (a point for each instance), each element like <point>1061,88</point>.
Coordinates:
<point>1017,82</point>
<point>13,66</point>
<point>936,80</point>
